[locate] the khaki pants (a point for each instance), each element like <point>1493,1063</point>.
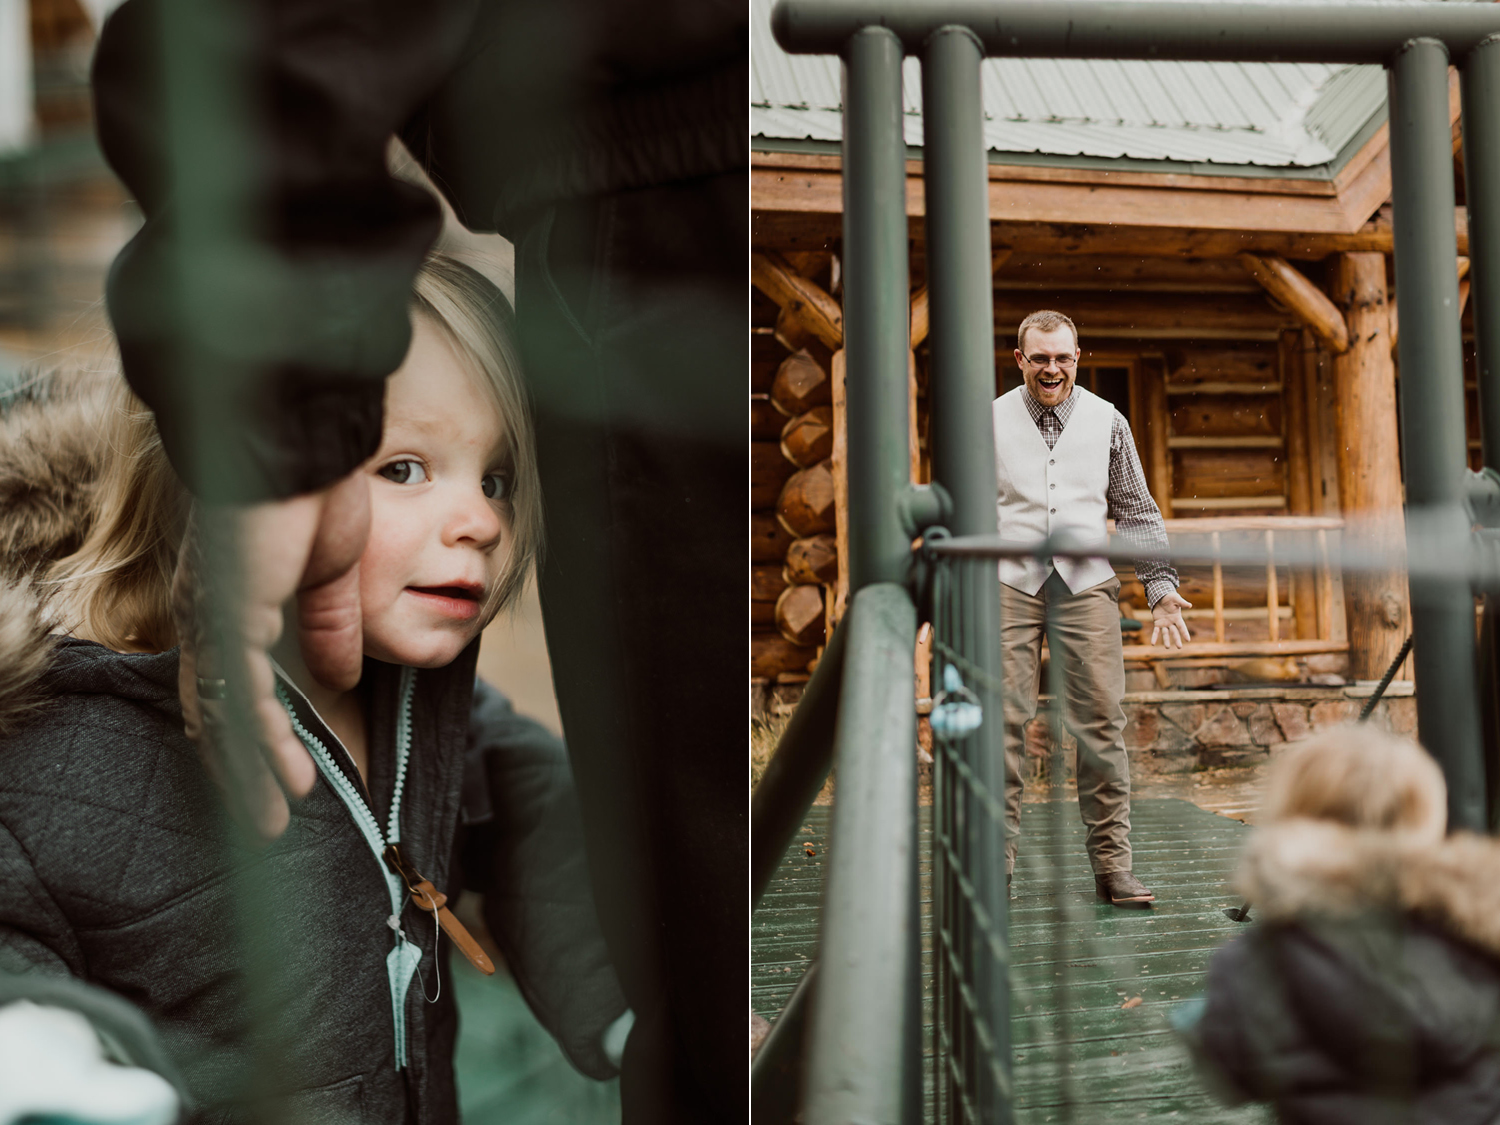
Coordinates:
<point>1086,631</point>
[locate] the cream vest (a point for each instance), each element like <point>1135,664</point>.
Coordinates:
<point>1041,491</point>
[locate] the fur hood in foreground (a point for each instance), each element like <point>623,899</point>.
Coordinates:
<point>1300,868</point>
<point>1369,988</point>
<point>50,458</point>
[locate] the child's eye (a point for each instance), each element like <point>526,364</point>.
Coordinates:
<point>496,486</point>
<point>404,472</point>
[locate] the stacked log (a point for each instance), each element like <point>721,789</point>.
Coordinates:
<point>793,553</point>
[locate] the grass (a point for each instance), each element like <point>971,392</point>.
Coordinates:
<point>765,735</point>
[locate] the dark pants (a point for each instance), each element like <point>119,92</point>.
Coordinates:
<point>631,312</point>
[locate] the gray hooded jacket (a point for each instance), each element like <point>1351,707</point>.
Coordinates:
<point>118,868</point>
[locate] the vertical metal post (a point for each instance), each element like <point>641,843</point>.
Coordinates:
<point>1481,104</point>
<point>962,317</point>
<point>1481,121</point>
<point>1432,415</point>
<point>864,1034</point>
<point>877,313</point>
<point>962,388</point>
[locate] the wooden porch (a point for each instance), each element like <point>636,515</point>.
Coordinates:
<point>1092,985</point>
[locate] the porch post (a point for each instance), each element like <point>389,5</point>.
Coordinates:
<point>1432,416</point>
<point>1375,601</point>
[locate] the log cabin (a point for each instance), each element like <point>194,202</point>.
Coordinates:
<point>1221,234</point>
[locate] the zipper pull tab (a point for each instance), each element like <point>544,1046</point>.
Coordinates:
<point>432,900</point>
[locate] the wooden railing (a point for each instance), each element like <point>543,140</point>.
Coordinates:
<point>1325,598</point>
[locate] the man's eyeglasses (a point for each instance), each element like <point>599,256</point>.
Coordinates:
<point>1062,361</point>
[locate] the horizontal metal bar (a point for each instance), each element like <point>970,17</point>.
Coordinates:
<point>1438,546</point>
<point>1124,29</point>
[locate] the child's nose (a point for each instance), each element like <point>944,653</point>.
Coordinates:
<point>475,519</point>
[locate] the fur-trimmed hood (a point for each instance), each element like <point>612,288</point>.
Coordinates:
<point>50,461</point>
<point>1300,868</point>
<point>1369,990</point>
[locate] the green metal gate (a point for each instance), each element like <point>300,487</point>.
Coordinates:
<point>847,1048</point>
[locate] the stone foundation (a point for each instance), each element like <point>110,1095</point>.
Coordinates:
<point>1180,731</point>
<point>1177,731</point>
<point>771,699</point>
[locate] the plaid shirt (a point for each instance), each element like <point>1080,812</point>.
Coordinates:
<point>1137,518</point>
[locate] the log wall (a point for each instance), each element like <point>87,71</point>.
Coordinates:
<point>792,488</point>
<point>1232,396</point>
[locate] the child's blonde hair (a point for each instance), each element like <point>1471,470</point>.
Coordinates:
<point>116,588</point>
<point>1361,777</point>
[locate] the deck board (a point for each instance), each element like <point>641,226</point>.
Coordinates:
<point>1078,1055</point>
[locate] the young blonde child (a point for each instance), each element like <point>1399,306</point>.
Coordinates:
<point>117,866</point>
<point>1369,990</point>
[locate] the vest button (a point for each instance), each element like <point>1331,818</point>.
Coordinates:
<point>1052,486</point>
<point>1054,511</point>
<point>1053,461</point>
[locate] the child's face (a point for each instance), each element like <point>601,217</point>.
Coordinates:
<point>439,513</point>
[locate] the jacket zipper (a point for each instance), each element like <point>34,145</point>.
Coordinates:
<point>401,963</point>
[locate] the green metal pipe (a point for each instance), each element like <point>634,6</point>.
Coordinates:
<point>798,768</point>
<point>1432,415</point>
<point>776,1072</point>
<point>864,1035</point>
<point>961,338</point>
<point>961,390</point>
<point>1122,29</point>
<point>207,105</point>
<point>1481,130</point>
<point>877,317</point>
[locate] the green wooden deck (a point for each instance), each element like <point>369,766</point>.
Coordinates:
<point>1079,1055</point>
<point>510,1072</point>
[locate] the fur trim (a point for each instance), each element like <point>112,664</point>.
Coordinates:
<point>50,458</point>
<point>26,646</point>
<point>1302,867</point>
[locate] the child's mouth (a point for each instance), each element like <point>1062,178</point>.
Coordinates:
<point>458,602</point>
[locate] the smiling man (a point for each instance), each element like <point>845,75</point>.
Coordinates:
<point>1065,461</point>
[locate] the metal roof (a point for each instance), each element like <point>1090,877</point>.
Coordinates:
<point>1297,118</point>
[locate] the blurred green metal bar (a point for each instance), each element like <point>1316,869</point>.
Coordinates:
<point>211,167</point>
<point>1481,132</point>
<point>864,1049</point>
<point>797,770</point>
<point>961,389</point>
<point>1432,415</point>
<point>776,1073</point>
<point>1124,29</point>
<point>877,316</point>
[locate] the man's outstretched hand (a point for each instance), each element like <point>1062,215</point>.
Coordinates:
<point>307,546</point>
<point>1167,622</point>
